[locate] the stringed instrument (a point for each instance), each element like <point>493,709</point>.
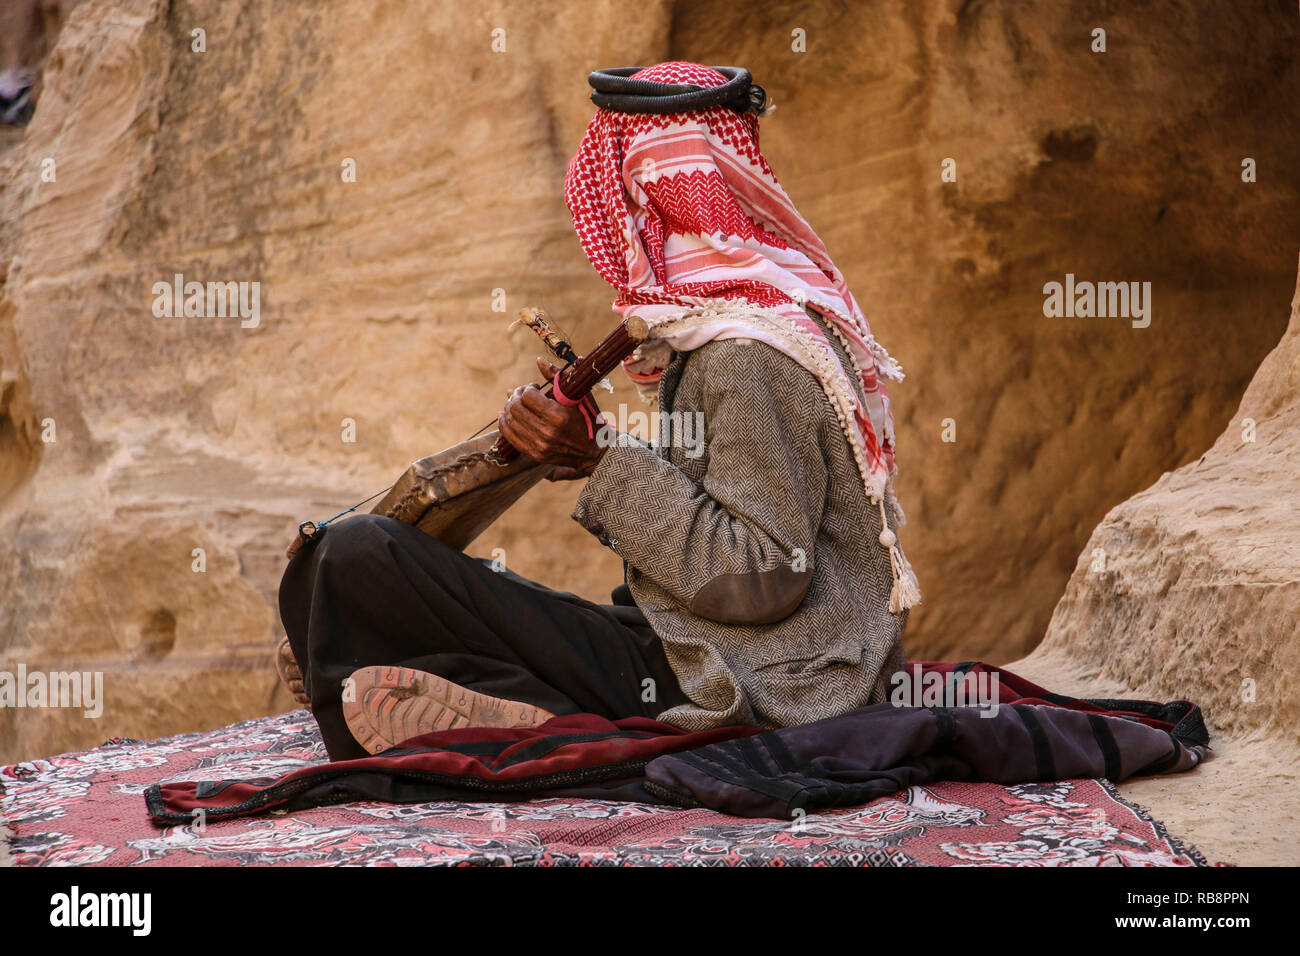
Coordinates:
<point>457,493</point>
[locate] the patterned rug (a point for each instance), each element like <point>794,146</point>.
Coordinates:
<point>87,808</point>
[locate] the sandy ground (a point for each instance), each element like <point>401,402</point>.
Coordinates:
<point>1240,806</point>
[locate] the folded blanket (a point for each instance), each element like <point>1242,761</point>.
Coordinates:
<point>579,755</point>
<point>1014,732</point>
<point>880,750</point>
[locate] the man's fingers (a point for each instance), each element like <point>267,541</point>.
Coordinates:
<point>513,412</point>
<point>547,369</point>
<point>543,406</point>
<point>538,402</point>
<point>523,428</point>
<point>509,426</point>
<point>546,431</point>
<point>529,406</point>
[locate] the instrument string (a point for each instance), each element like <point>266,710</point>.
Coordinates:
<point>321,524</point>
<point>558,347</point>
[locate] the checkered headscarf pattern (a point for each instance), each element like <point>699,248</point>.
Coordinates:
<point>678,211</point>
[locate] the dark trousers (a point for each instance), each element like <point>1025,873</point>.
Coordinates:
<point>371,590</point>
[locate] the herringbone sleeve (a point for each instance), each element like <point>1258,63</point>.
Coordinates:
<point>759,504</point>
<point>753,552</point>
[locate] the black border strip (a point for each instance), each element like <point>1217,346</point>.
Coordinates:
<point>1142,813</point>
<point>1109,749</point>
<point>1044,764</point>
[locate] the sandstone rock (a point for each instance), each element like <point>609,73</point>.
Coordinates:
<point>377,295</point>
<point>377,307</point>
<point>1191,588</point>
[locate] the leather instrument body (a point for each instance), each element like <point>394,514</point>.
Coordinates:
<point>454,495</point>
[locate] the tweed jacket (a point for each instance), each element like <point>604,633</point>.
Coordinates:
<point>752,549</point>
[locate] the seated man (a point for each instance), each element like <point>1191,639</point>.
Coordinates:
<point>764,581</point>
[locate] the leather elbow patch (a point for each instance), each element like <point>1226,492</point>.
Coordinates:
<point>753,597</point>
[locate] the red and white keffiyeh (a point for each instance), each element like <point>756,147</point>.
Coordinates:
<point>681,213</point>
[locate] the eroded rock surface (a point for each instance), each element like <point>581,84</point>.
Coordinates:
<point>1191,588</point>
<point>185,437</point>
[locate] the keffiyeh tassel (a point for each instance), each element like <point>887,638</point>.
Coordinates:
<point>906,592</point>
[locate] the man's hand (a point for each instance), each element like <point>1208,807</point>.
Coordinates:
<point>548,432</point>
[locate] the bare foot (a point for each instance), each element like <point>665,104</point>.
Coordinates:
<point>286,665</point>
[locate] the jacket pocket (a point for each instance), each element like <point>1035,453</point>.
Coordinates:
<point>801,690</point>
<point>810,665</point>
